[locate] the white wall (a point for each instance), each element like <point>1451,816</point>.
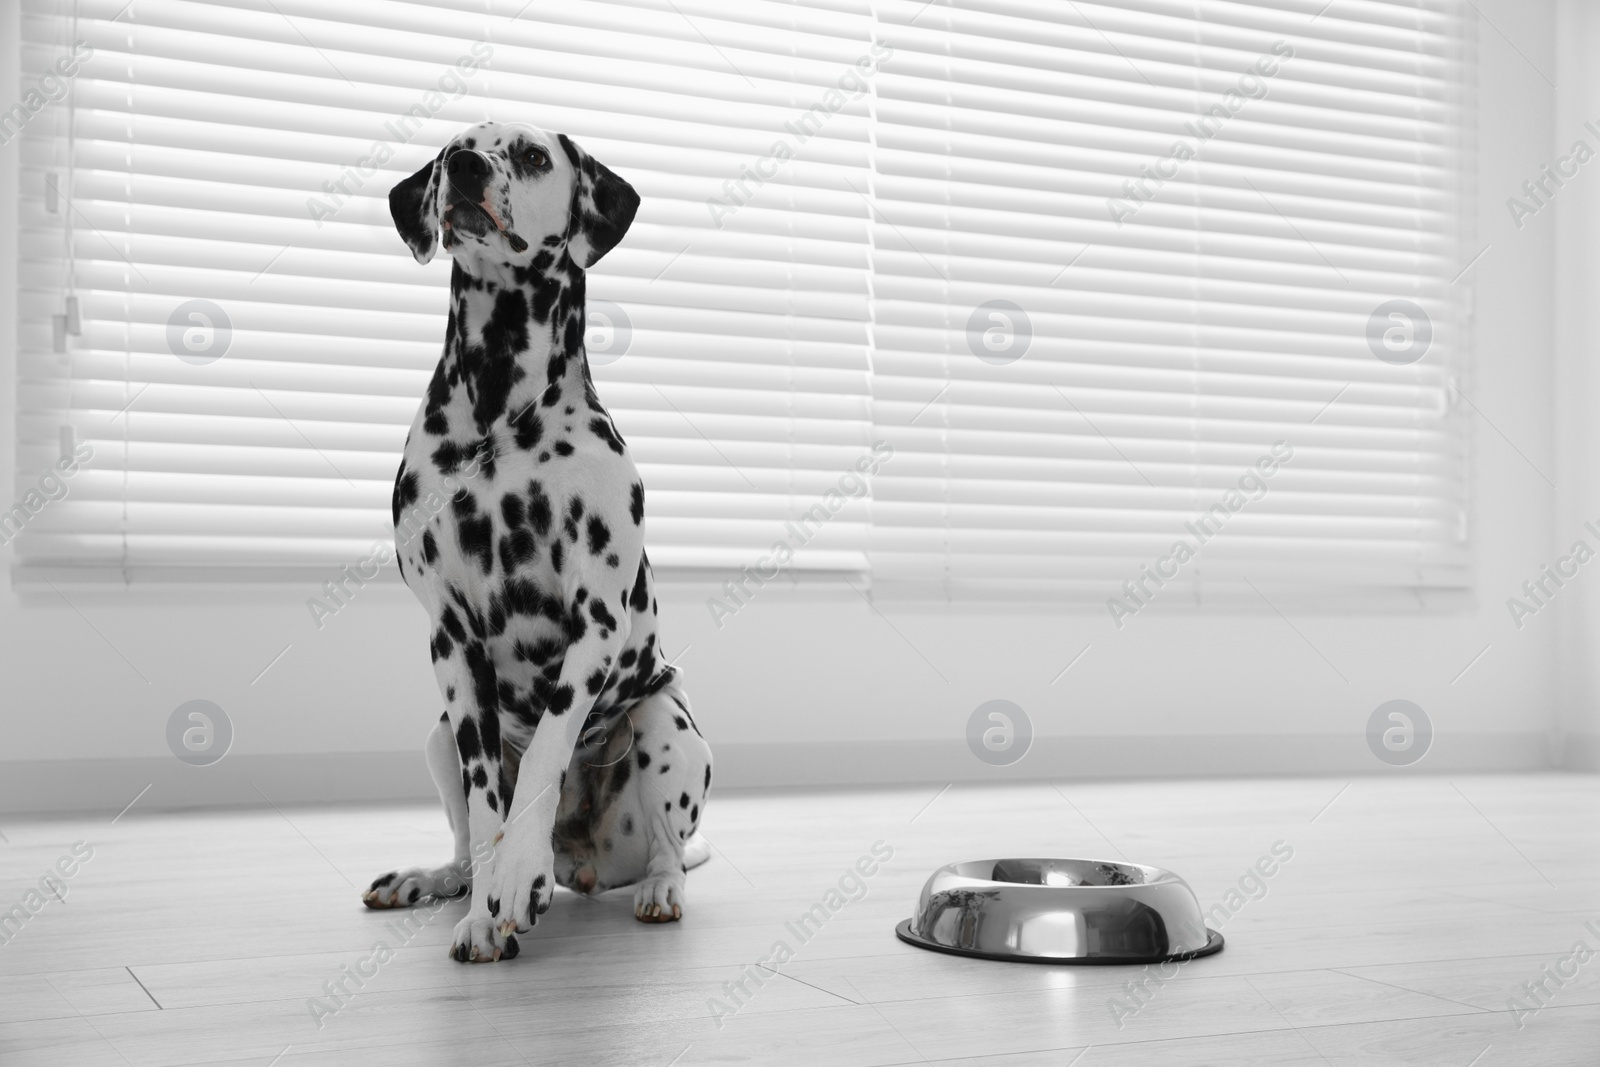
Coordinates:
<point>812,685</point>
<point>1576,221</point>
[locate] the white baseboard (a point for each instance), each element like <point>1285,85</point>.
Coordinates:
<point>299,778</point>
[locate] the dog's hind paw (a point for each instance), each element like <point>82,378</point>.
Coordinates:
<point>480,939</point>
<point>402,889</point>
<point>659,899</point>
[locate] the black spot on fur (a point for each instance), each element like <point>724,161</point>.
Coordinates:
<point>484,691</point>
<point>405,491</point>
<point>467,743</point>
<point>560,700</point>
<point>538,653</point>
<point>563,448</point>
<point>511,510</point>
<point>516,549</point>
<point>644,759</point>
<point>480,778</point>
<point>596,680</point>
<point>641,593</point>
<point>683,800</point>
<point>599,535</point>
<point>603,429</point>
<point>636,504</point>
<point>449,456</point>
<point>527,428</point>
<point>430,547</point>
<point>452,624</point>
<point>540,513</point>
<point>558,555</point>
<point>602,615</point>
<point>473,536</point>
<point>627,826</point>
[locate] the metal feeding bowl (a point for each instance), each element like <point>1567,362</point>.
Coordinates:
<point>1059,911</point>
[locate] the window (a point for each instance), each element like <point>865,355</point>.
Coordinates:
<point>1078,265</point>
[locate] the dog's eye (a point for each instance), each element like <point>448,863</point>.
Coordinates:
<point>535,157</point>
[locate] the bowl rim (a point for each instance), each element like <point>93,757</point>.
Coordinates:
<point>1162,875</point>
<point>1214,943</point>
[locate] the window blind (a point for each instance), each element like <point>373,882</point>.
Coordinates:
<point>1120,250</point>
<point>966,229</point>
<point>233,159</point>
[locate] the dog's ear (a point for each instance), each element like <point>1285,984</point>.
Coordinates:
<point>413,203</point>
<point>602,208</point>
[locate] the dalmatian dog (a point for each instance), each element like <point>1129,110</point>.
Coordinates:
<point>566,754</point>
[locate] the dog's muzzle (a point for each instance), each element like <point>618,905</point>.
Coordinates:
<point>469,207</point>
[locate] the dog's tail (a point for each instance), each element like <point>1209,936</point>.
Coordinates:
<point>695,851</point>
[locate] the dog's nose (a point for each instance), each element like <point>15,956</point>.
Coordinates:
<point>467,165</point>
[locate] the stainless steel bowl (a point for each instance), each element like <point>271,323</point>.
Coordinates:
<point>1059,911</point>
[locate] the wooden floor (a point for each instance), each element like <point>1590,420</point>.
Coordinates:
<point>1412,910</point>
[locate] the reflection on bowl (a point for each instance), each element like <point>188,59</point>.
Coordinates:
<point>1059,911</point>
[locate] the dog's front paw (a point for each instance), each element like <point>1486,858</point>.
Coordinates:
<point>479,939</point>
<point>402,889</point>
<point>659,898</point>
<point>521,884</point>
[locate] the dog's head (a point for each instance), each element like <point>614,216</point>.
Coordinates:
<point>502,193</point>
